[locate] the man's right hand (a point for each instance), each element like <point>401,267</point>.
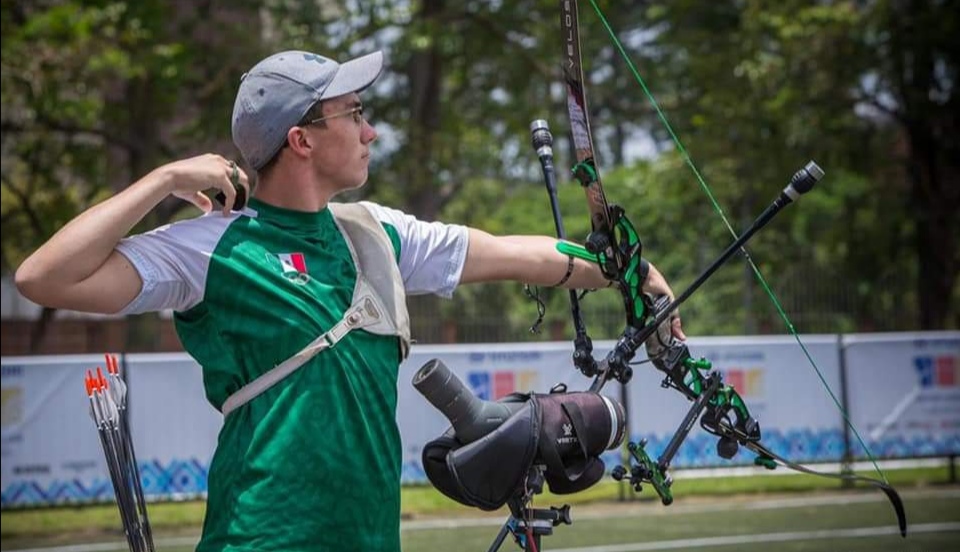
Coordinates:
<point>189,178</point>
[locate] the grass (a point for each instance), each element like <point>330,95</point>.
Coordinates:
<point>426,501</point>
<point>634,527</point>
<point>49,526</point>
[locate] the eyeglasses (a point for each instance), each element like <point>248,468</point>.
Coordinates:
<point>355,112</point>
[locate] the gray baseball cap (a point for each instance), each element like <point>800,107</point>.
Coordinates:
<point>277,92</point>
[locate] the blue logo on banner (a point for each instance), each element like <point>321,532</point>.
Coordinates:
<point>479,383</point>
<point>12,371</point>
<point>924,367</point>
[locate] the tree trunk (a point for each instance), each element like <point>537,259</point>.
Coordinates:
<point>931,122</point>
<point>425,74</point>
<point>936,205</point>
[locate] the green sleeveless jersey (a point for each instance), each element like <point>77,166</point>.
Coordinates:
<point>314,462</point>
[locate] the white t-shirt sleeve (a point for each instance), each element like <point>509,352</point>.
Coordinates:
<point>172,261</point>
<point>432,254</point>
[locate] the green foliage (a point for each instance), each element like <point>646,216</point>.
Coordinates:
<point>95,94</point>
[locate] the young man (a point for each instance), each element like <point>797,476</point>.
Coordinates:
<point>309,454</point>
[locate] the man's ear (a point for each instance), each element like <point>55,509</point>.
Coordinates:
<point>298,140</point>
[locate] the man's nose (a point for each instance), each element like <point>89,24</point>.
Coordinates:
<point>369,133</point>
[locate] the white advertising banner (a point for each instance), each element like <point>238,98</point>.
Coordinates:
<point>904,393</point>
<point>174,428</point>
<point>797,416</point>
<point>51,448</point>
<point>798,419</point>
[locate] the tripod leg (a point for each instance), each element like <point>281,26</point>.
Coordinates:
<point>504,531</point>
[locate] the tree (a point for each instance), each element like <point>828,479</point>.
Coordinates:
<point>95,94</point>
<point>756,88</point>
<point>912,84</point>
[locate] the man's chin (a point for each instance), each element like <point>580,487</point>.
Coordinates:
<point>355,186</point>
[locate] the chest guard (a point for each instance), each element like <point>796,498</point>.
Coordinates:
<point>378,306</point>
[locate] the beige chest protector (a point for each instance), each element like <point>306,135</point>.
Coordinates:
<point>379,302</point>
